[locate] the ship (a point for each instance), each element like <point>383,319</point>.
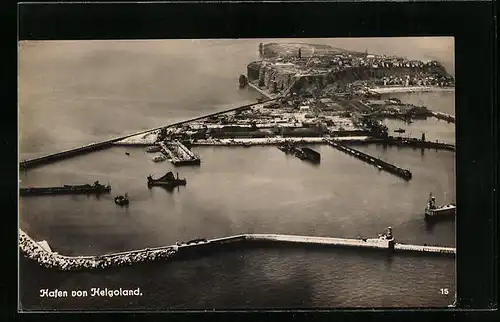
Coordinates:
<point>168,180</point>
<point>434,212</point>
<point>96,188</point>
<point>122,200</point>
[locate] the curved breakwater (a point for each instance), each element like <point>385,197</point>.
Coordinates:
<point>49,259</point>
<point>34,250</point>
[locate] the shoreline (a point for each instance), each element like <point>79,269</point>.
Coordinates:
<point>410,89</point>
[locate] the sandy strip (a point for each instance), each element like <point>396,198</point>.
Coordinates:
<point>141,139</point>
<point>278,140</point>
<point>411,89</point>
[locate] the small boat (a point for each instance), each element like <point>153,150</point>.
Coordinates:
<point>168,180</point>
<point>154,148</point>
<point>127,153</point>
<point>159,158</point>
<point>243,81</point>
<point>400,130</point>
<point>246,144</point>
<point>122,200</point>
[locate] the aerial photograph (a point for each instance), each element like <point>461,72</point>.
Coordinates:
<point>236,174</point>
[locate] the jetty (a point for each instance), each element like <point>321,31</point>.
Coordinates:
<point>42,253</point>
<point>96,188</point>
<point>179,154</point>
<point>443,116</point>
<point>380,164</point>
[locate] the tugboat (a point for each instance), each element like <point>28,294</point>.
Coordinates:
<point>434,212</point>
<point>168,180</point>
<point>400,130</point>
<point>243,81</point>
<point>122,200</point>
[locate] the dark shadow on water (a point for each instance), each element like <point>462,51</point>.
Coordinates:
<point>168,189</point>
<point>431,223</point>
<point>429,226</point>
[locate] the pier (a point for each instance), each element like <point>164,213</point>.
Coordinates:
<point>42,253</point>
<point>443,116</point>
<point>178,154</point>
<point>380,164</point>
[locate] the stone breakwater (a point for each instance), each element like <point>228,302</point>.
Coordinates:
<point>34,251</point>
<point>46,258</point>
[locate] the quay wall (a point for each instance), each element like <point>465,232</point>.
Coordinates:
<point>346,140</point>
<point>26,164</point>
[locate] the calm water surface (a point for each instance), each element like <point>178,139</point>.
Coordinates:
<point>72,94</point>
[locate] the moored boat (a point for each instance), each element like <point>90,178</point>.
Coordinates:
<point>434,212</point>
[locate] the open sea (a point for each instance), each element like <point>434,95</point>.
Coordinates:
<point>74,92</point>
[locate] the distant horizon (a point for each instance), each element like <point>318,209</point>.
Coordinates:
<point>440,49</point>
